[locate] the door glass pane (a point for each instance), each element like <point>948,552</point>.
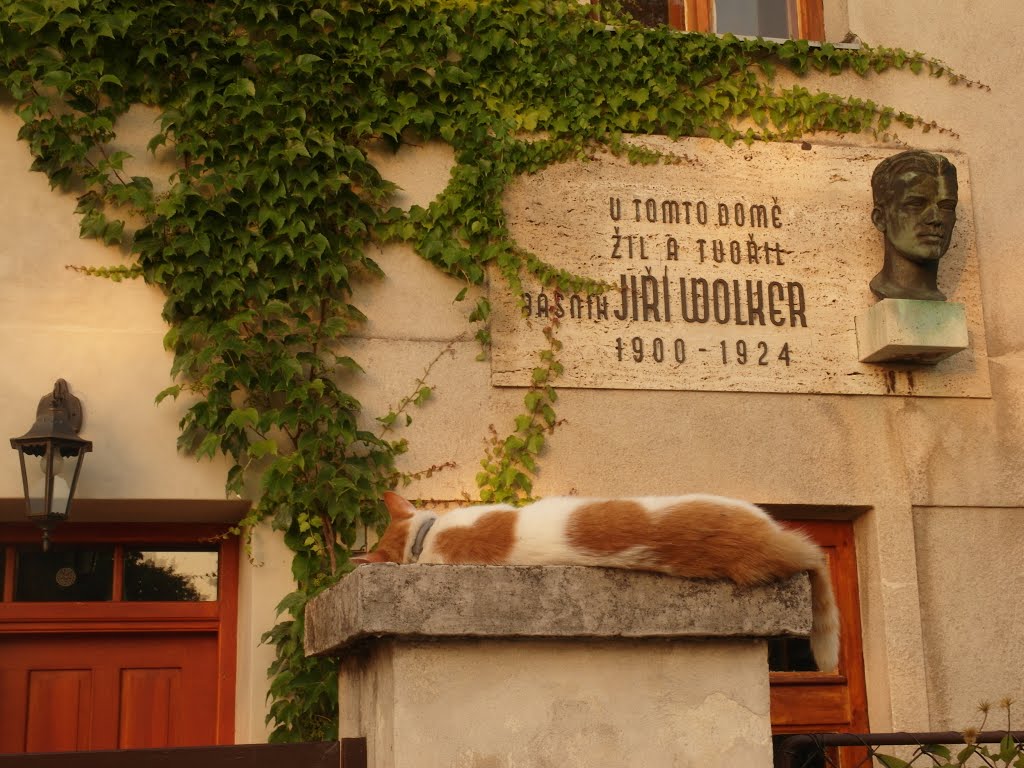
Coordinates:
<point>764,18</point>
<point>65,573</point>
<point>790,654</point>
<point>170,574</point>
<point>807,756</point>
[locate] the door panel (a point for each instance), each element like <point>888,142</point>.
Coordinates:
<point>150,702</point>
<point>58,696</point>
<point>102,691</point>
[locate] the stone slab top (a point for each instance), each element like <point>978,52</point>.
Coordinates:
<point>552,602</point>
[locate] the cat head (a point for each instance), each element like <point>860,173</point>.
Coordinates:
<point>393,545</point>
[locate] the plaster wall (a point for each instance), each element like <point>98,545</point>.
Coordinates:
<point>970,574</point>
<point>944,477</point>
<point>559,703</point>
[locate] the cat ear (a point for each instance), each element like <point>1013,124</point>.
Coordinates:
<point>398,508</point>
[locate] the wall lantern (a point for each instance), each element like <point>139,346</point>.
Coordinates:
<point>49,483</point>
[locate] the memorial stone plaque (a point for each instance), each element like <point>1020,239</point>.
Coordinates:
<point>728,269</point>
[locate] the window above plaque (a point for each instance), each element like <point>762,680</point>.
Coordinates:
<point>801,19</point>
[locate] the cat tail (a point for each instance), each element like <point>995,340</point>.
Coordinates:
<point>824,620</point>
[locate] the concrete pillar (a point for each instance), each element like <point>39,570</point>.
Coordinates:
<point>500,667</point>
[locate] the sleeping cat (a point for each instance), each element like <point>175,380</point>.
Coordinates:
<point>696,536</point>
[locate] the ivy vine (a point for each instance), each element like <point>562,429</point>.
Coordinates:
<point>260,242</point>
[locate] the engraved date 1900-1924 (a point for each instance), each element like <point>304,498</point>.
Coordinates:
<point>739,352</point>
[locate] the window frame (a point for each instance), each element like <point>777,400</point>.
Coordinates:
<point>697,16</point>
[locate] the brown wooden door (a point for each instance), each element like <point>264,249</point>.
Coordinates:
<point>807,701</point>
<point>108,692</point>
<point>111,642</point>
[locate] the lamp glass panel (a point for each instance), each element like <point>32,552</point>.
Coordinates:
<point>35,480</point>
<point>63,476</point>
<point>63,481</point>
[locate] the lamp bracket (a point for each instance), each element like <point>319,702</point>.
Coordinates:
<point>63,399</point>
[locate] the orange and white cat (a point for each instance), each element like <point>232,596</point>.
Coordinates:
<point>695,536</point>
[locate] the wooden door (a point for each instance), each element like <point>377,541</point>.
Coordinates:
<point>807,701</point>
<point>95,691</point>
<point>107,648</point>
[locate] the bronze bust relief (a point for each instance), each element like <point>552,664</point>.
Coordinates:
<point>915,197</point>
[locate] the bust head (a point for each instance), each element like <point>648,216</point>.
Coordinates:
<point>915,197</point>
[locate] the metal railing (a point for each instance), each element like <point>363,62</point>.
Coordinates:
<point>348,753</point>
<point>817,750</point>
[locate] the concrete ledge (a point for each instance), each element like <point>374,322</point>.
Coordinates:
<point>446,601</point>
<point>911,331</point>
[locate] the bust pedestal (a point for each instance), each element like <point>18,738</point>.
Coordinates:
<point>911,331</point>
<point>562,666</point>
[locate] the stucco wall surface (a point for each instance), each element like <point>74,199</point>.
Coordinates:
<point>971,576</point>
<point>559,703</point>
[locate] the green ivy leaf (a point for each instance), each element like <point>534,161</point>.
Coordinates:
<point>261,448</point>
<point>888,761</point>
<point>242,418</point>
<point>305,61</point>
